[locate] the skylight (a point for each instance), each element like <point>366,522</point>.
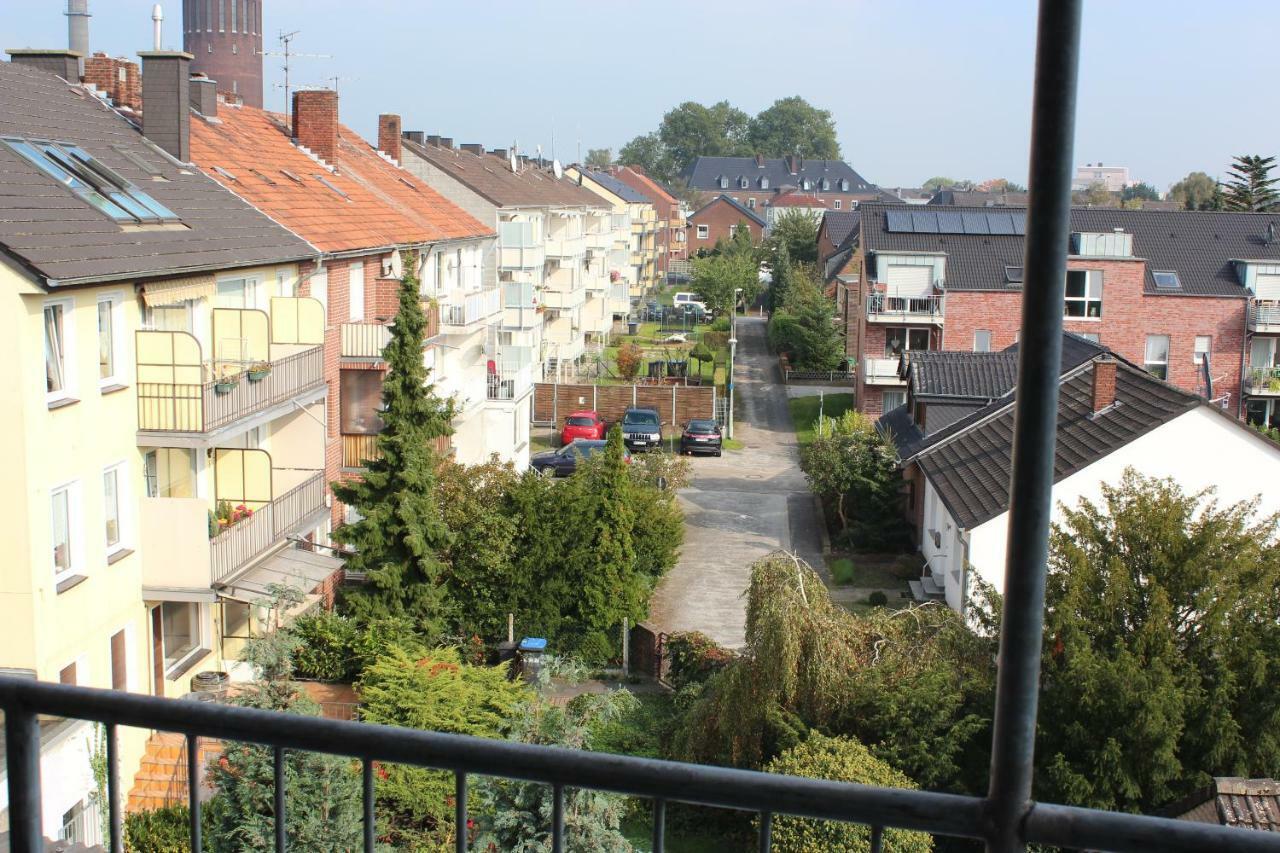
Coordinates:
<point>1013,275</point>
<point>93,182</point>
<point>1166,279</point>
<point>325,181</point>
<point>291,176</point>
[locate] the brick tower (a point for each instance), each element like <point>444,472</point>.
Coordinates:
<point>225,37</point>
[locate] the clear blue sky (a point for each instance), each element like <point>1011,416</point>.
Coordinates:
<point>916,87</point>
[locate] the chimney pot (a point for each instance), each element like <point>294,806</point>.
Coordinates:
<point>433,139</point>
<point>499,152</point>
<point>315,122</point>
<point>204,95</point>
<point>1104,383</point>
<point>389,135</point>
<point>166,100</point>
<point>446,142</point>
<point>416,136</point>
<point>473,148</point>
<point>63,63</point>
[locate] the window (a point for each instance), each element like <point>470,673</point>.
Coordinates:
<point>355,298</point>
<point>764,183</point>
<point>172,318</point>
<point>237,293</point>
<point>62,503</point>
<point>844,185</point>
<point>111,507</point>
<point>67,675</point>
<point>1166,280</point>
<point>286,284</point>
<point>733,229</point>
<point>1156,359</point>
<point>826,185</point>
<point>723,182</point>
<point>93,182</point>
<point>704,231</point>
<point>170,472</point>
<point>56,350</point>
<point>893,400</point>
<point>233,15</point>
<point>1203,346</point>
<point>180,630</point>
<point>1091,336</point>
<point>1084,293</point>
<point>751,204</point>
<point>119,661</point>
<point>361,402</point>
<point>807,184</point>
<point>982,340</point>
<point>222,15</point>
<point>837,204</point>
<point>897,340</point>
<point>108,316</point>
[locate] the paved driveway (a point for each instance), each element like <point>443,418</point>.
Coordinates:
<point>740,507</point>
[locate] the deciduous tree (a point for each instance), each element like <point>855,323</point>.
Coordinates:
<point>798,231</point>
<point>718,278</point>
<point>649,153</point>
<point>1197,191</point>
<point>599,158</point>
<point>794,126</point>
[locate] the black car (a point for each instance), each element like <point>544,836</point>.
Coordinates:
<point>563,462</point>
<point>701,436</point>
<point>641,429</point>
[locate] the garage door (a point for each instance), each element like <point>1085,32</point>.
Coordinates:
<point>1267,287</point>
<point>910,280</point>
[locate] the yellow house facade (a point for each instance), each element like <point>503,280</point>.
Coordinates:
<point>636,227</point>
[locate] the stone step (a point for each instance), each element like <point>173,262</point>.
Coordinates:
<point>931,588</point>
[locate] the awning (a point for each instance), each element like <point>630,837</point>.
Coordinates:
<point>178,290</point>
<point>302,570</point>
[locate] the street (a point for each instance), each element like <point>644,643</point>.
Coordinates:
<point>740,507</point>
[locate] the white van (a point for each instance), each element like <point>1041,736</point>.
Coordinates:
<point>684,298</point>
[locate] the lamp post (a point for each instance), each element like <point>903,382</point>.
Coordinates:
<point>733,349</point>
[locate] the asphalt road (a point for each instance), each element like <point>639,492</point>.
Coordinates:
<point>740,507</point>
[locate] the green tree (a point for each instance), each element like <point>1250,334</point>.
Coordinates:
<point>780,275</point>
<point>1161,649</point>
<point>1249,185</point>
<point>402,531</point>
<point>649,153</point>
<point>794,126</point>
<point>1097,195</point>
<point>1140,192</point>
<point>692,130</point>
<point>599,158</point>
<point>718,278</point>
<point>938,182</point>
<point>804,328</point>
<point>840,759</point>
<point>1197,191</point>
<point>851,464</point>
<point>1001,185</point>
<point>741,243</point>
<point>798,231</point>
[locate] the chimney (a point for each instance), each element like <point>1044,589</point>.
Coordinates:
<point>166,100</point>
<point>759,161</point>
<point>119,78</point>
<point>502,152</point>
<point>315,122</point>
<point>473,148</point>
<point>416,136</point>
<point>204,95</point>
<point>433,139</point>
<point>793,165</point>
<point>64,63</point>
<point>389,135</point>
<point>78,29</point>
<point>446,142</point>
<point>1104,382</point>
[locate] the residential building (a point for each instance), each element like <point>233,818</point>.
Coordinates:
<point>562,279</point>
<point>837,241</point>
<point>138,290</point>
<point>718,220</point>
<point>1232,801</point>
<point>367,216</point>
<point>642,212</point>
<point>1112,178</point>
<point>977,198</point>
<point>1167,289</point>
<point>910,195</point>
<point>673,246</point>
<point>795,201</point>
<point>754,181</point>
<point>1112,415</point>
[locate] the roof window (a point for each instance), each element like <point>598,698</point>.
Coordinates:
<point>723,182</point>
<point>764,183</point>
<point>844,185</point>
<point>1013,275</point>
<point>1166,279</point>
<point>93,182</point>
<point>291,176</point>
<point>325,181</point>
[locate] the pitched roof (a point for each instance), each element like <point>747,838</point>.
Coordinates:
<point>490,177</point>
<point>52,232</point>
<point>621,190</point>
<point>969,463</point>
<point>1199,245</point>
<point>750,214</point>
<point>795,198</point>
<point>1233,801</point>
<point>705,173</point>
<point>841,225</point>
<point>962,375</point>
<point>634,175</point>
<point>976,198</point>
<point>365,202</point>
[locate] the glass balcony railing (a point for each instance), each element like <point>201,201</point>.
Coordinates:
<point>460,310</point>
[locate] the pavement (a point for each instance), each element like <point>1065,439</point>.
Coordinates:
<point>740,507</point>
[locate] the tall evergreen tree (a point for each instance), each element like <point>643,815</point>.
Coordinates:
<point>1249,186</point>
<point>401,531</point>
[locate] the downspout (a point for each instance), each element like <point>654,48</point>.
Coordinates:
<point>1241,411</point>
<point>964,574</point>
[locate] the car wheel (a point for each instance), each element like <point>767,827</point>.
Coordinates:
<point>547,472</point>
<point>717,454</point>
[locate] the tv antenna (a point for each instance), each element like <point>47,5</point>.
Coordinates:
<point>286,53</point>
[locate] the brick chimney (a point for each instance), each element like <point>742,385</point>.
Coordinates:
<point>315,122</point>
<point>204,95</point>
<point>118,77</point>
<point>473,148</point>
<point>166,100</point>
<point>389,135</point>
<point>759,161</point>
<point>64,63</point>
<point>793,164</point>
<point>1104,382</point>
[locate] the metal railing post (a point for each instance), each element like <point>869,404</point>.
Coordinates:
<point>22,760</point>
<point>1035,424</point>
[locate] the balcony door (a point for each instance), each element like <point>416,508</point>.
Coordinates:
<point>897,341</point>
<point>1263,352</point>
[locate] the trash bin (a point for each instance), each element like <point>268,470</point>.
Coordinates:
<point>212,682</point>
<point>531,652</point>
<point>633,327</point>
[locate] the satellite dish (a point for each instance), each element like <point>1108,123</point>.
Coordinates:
<point>515,162</point>
<point>557,169</point>
<point>397,265</point>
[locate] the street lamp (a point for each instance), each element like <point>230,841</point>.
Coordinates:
<point>733,349</point>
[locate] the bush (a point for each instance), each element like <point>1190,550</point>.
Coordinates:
<point>716,340</point>
<point>843,760</point>
<point>877,599</point>
<point>695,657</point>
<point>648,467</point>
<point>327,651</point>
<point>842,570</point>
<point>628,360</point>
<point>597,649</point>
<point>163,830</point>
<point>719,324</point>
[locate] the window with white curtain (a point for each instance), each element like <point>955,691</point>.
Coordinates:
<point>62,506</point>
<point>1156,359</point>
<point>59,379</point>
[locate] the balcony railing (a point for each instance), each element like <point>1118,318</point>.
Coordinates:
<point>879,370</point>
<point>246,540</point>
<point>566,247</point>
<point>461,310</point>
<point>357,449</point>
<point>510,382</point>
<point>518,248</point>
<point>206,406</point>
<point>364,340</point>
<point>1265,315</point>
<point>1263,380</point>
<point>881,306</point>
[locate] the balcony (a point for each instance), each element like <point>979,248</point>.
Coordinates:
<point>510,381</point>
<point>566,246</point>
<point>600,239</point>
<point>358,449</point>
<point>1262,381</point>
<point>883,308</point>
<point>461,311</point>
<point>518,247</point>
<point>363,341</point>
<point>878,370</point>
<point>619,298</point>
<point>522,308</point>
<point>1264,317</point>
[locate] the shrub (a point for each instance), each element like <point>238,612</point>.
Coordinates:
<point>596,648</point>
<point>163,830</point>
<point>844,760</point>
<point>717,340</point>
<point>695,657</point>
<point>842,570</point>
<point>648,467</point>
<point>327,651</point>
<point>719,324</point>
<point>628,360</point>
<point>877,599</point>
<point>907,567</point>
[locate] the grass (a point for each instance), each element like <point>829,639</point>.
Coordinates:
<point>732,444</point>
<point>842,571</point>
<point>541,440</point>
<point>864,573</point>
<point>804,412</point>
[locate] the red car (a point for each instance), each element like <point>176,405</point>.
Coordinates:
<point>585,424</point>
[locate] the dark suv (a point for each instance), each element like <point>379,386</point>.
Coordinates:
<point>641,429</point>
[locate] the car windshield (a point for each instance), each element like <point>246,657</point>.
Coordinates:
<point>641,419</point>
<point>579,421</point>
<point>702,426</point>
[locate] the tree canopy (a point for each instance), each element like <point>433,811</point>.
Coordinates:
<point>794,126</point>
<point>1249,185</point>
<point>1140,192</point>
<point>717,277</point>
<point>1197,191</point>
<point>599,158</point>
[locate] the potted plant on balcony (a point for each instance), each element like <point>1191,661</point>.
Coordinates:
<point>226,383</point>
<point>259,371</point>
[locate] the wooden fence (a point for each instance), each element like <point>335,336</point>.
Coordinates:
<point>675,403</point>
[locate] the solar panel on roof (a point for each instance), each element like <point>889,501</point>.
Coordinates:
<point>925,222</point>
<point>1019,223</point>
<point>1000,223</point>
<point>950,223</point>
<point>899,221</point>
<point>975,223</point>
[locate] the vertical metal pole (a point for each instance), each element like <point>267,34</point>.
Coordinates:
<point>659,825</point>
<point>766,832</point>
<point>626,647</point>
<point>114,821</point>
<point>369,819</point>
<point>193,791</point>
<point>877,839</point>
<point>22,742</point>
<point>1035,422</point>
<point>557,819</point>
<point>279,799</point>
<point>460,811</point>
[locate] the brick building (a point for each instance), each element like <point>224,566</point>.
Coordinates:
<point>118,77</point>
<point>755,181</point>
<point>717,220</point>
<point>224,38</point>
<point>672,239</point>
<point>1164,289</point>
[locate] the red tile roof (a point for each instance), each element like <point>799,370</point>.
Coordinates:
<point>369,202</point>
<point>636,178</point>
<point>794,198</point>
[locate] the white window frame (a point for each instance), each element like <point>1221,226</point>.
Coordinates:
<point>1197,352</point>
<point>977,340</point>
<point>751,203</point>
<point>75,557</point>
<point>251,288</point>
<point>68,389</point>
<point>115,301</point>
<point>704,232</point>
<point>837,203</point>
<point>1091,276</point>
<point>884,409</point>
<point>355,293</point>
<point>124,525</point>
<point>197,644</point>
<point>733,229</point>
<point>1147,363</point>
<point>286,283</point>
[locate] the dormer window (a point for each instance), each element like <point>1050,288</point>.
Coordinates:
<point>764,183</point>
<point>723,182</point>
<point>844,185</point>
<point>826,185</point>
<point>743,183</point>
<point>93,182</point>
<point>808,185</point>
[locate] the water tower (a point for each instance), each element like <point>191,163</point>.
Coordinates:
<point>225,37</point>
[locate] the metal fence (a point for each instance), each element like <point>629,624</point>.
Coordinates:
<point>244,541</point>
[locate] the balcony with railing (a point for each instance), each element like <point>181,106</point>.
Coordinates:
<point>565,245</point>
<point>519,247</point>
<point>619,298</point>
<point>877,369</point>
<point>363,341</point>
<point>1262,381</point>
<point>1264,317</point>
<point>510,381</point>
<point>358,449</point>
<point>462,310</point>
<point>886,308</point>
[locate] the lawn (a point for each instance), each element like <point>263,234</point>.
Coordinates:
<point>654,346</point>
<point>863,571</point>
<point>804,412</point>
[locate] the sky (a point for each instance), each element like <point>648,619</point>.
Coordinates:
<point>917,88</point>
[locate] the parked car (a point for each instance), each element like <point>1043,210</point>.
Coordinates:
<point>701,436</point>
<point>683,298</point>
<point>641,429</point>
<point>584,424</point>
<point>563,462</point>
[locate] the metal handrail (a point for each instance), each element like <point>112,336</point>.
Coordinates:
<point>768,794</point>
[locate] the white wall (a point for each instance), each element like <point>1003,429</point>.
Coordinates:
<point>1198,450</point>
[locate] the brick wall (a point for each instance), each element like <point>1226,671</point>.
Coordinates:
<point>611,401</point>
<point>718,217</point>
<point>315,122</point>
<point>120,78</point>
<point>389,136</point>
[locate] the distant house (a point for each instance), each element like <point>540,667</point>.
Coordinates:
<point>975,198</point>
<point>837,238</point>
<point>1233,801</point>
<point>672,245</point>
<point>956,451</point>
<point>809,203</point>
<point>909,195</point>
<point>1114,178</point>
<point>718,219</point>
<point>754,181</point>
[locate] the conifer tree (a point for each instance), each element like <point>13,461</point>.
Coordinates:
<point>401,531</point>
<point>1250,185</point>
